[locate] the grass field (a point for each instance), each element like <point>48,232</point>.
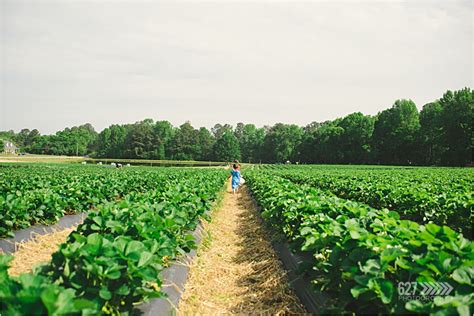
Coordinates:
<point>40,158</point>
<point>76,159</point>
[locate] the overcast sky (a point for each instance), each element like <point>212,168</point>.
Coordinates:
<point>65,63</point>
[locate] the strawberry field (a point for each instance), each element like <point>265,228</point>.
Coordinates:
<point>362,230</point>
<point>426,195</point>
<point>139,220</point>
<point>362,252</point>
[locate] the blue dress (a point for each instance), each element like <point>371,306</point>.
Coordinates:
<point>235,179</point>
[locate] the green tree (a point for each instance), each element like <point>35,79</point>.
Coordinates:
<point>457,124</point>
<point>163,133</point>
<point>32,137</point>
<point>395,133</point>
<point>226,147</point>
<point>325,148</point>
<point>307,144</point>
<point>250,140</point>
<point>442,133</point>
<point>78,140</point>
<point>183,145</point>
<point>139,142</point>
<point>205,143</point>
<point>21,137</point>
<point>218,130</point>
<point>356,138</point>
<point>111,141</point>
<point>281,143</point>
<point>431,133</point>
<point>7,135</point>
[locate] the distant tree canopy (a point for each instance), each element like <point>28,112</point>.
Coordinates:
<point>440,134</point>
<point>395,132</point>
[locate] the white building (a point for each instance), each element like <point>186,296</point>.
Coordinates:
<point>9,147</point>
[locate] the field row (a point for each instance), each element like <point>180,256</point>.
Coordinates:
<point>113,260</point>
<point>361,254</point>
<point>443,196</point>
<point>43,194</point>
<point>366,229</point>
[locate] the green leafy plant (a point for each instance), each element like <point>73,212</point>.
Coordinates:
<point>442,196</point>
<point>34,294</point>
<point>361,253</point>
<point>114,258</point>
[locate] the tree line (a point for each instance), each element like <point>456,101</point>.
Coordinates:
<point>440,134</point>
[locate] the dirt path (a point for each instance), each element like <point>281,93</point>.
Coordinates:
<point>37,250</point>
<point>236,270</point>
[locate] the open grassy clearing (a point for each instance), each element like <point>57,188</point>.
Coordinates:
<point>151,162</point>
<point>236,270</point>
<point>39,159</point>
<point>6,158</point>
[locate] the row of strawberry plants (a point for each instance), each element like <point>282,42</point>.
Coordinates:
<point>43,196</point>
<point>361,254</point>
<point>113,260</point>
<point>440,196</point>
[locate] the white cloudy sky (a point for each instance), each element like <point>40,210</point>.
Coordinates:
<point>68,62</point>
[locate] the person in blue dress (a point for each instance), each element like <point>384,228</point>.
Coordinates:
<point>235,173</point>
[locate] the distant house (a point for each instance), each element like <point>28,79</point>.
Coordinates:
<point>9,147</point>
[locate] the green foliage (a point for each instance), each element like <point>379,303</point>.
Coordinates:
<point>280,143</point>
<point>184,144</point>
<point>361,254</point>
<point>251,141</point>
<point>354,142</point>
<point>395,133</point>
<point>113,260</point>
<point>36,295</point>
<point>78,140</point>
<point>442,196</point>
<point>430,137</point>
<point>457,126</point>
<point>42,194</point>
<point>30,195</point>
<point>441,134</point>
<point>111,141</point>
<point>206,142</point>
<point>139,142</point>
<point>226,147</point>
<point>320,143</point>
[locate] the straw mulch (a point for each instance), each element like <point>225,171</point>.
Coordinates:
<point>237,270</point>
<point>37,250</point>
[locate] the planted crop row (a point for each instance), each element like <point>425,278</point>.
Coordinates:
<point>361,254</point>
<point>424,195</point>
<point>44,194</point>
<point>113,260</point>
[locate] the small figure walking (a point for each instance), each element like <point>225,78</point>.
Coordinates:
<point>235,173</point>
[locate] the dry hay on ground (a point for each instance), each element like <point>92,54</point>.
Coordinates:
<point>37,250</point>
<point>237,270</point>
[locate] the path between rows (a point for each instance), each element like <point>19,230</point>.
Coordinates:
<point>37,251</point>
<point>236,270</point>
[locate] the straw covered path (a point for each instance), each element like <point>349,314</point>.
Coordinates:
<point>37,251</point>
<point>236,270</point>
